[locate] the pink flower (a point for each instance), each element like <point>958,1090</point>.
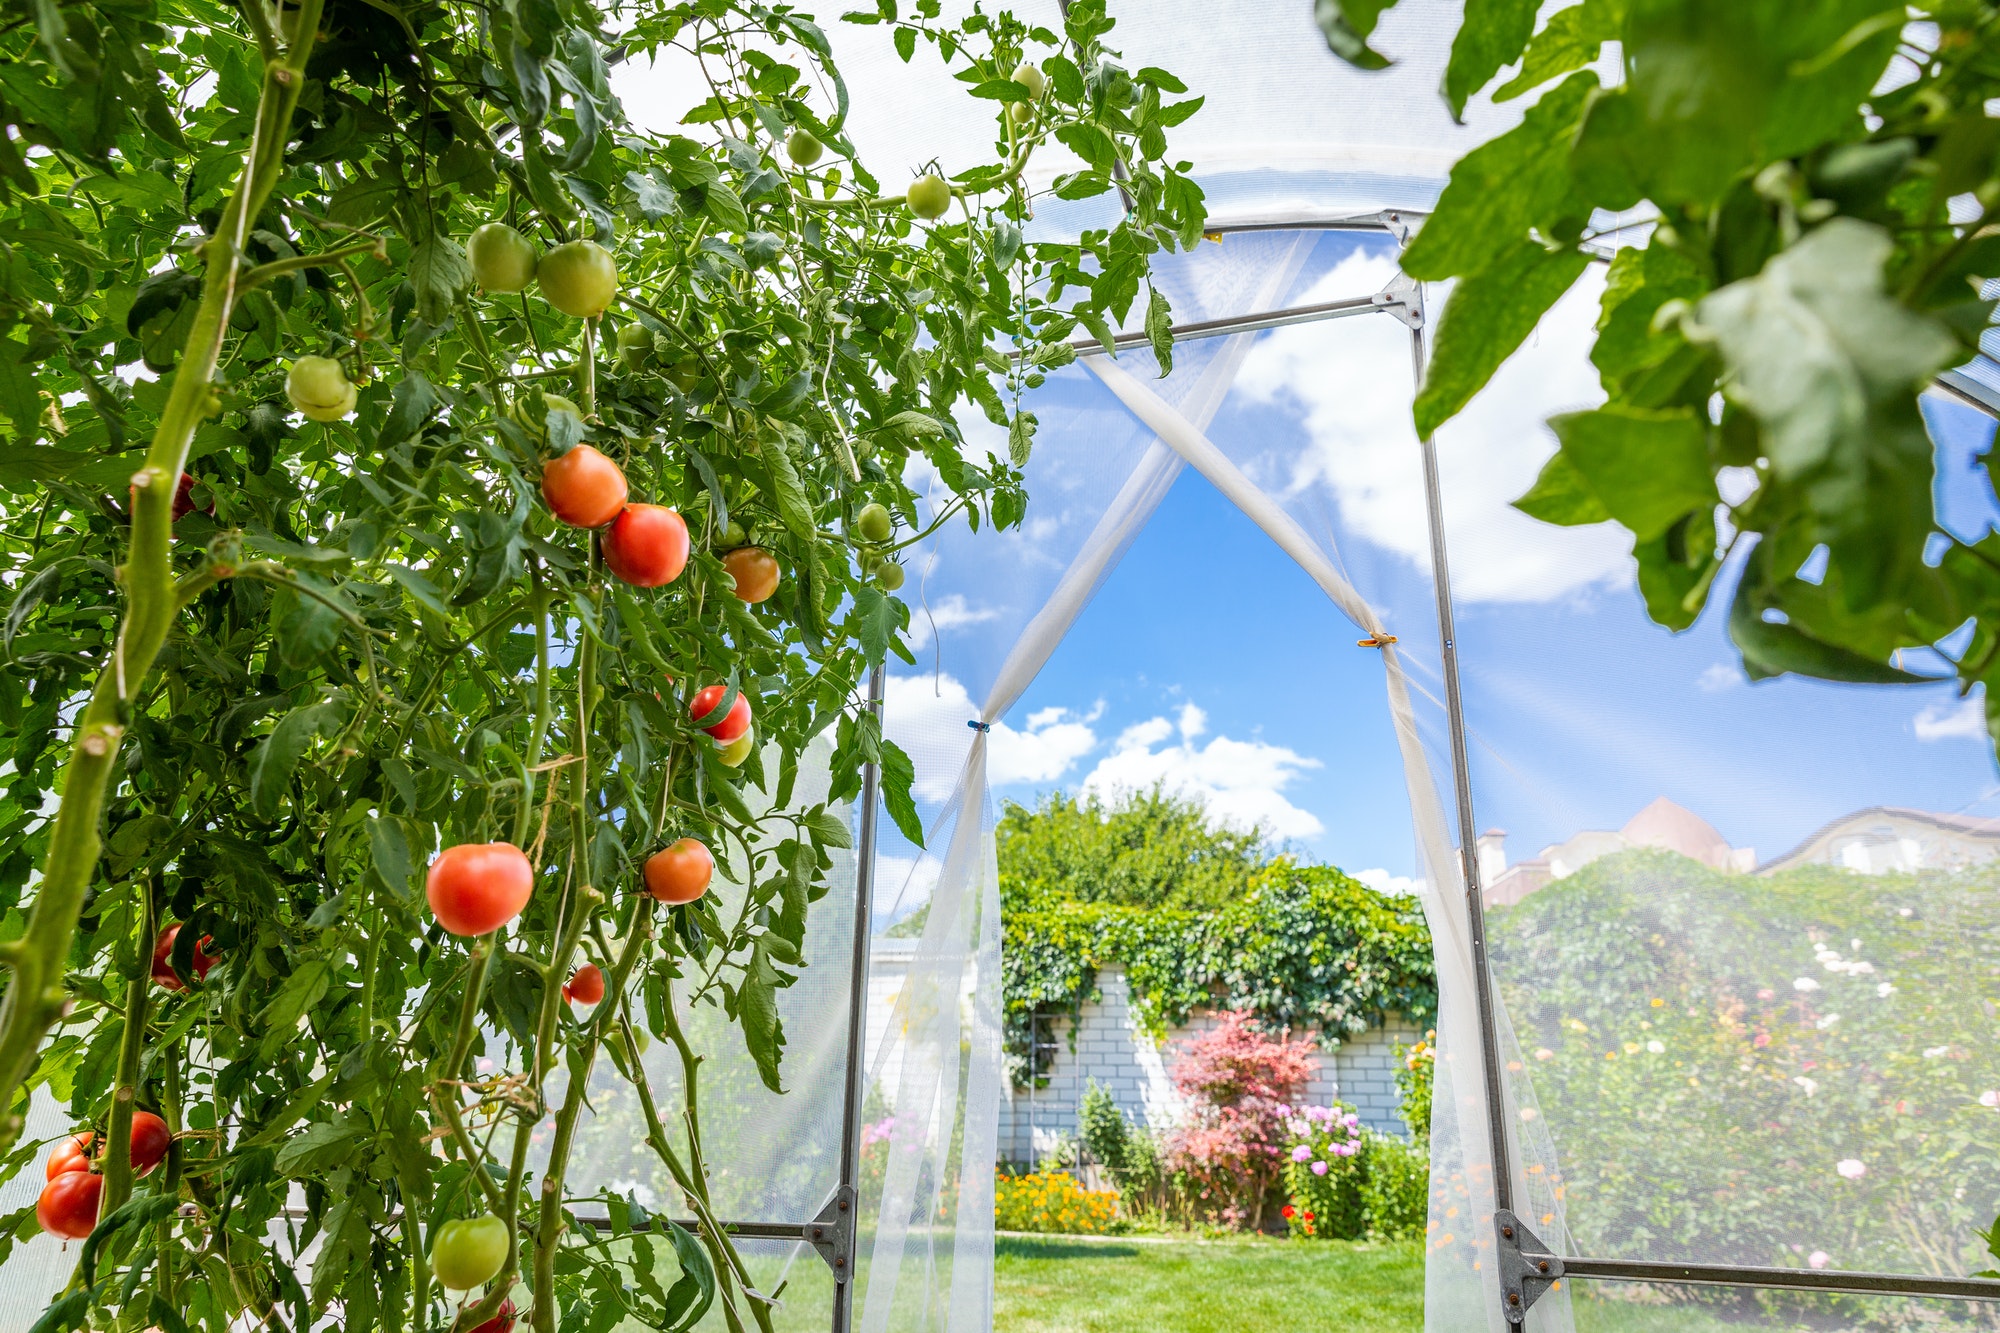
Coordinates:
<point>1767,994</point>
<point>1851,1168</point>
<point>1346,1149</point>
<point>1990,1097</point>
<point>1761,1040</point>
<point>1819,1258</point>
<point>1319,1168</point>
<point>1301,1153</point>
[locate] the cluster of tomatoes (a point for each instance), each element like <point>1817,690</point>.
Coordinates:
<point>68,1205</point>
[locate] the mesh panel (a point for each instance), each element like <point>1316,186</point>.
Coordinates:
<point>1747,931</point>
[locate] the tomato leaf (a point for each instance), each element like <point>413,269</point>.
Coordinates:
<point>277,755</point>
<point>1489,315</point>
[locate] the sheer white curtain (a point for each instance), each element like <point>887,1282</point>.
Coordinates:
<point>930,1264</point>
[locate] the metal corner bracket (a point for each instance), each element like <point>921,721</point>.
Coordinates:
<point>1404,299</point>
<point>832,1233</point>
<point>1528,1268</point>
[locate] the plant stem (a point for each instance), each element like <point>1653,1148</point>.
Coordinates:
<point>445,1091</point>
<point>131,1045</point>
<point>35,999</point>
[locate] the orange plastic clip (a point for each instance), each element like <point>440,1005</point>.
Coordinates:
<point>1375,641</point>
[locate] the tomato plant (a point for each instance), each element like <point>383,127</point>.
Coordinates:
<point>384,735</point>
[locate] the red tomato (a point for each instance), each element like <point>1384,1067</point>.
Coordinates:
<point>755,571</point>
<point>587,986</point>
<point>584,488</point>
<point>163,967</point>
<point>477,887</point>
<point>501,1322</point>
<point>72,1154</point>
<point>680,873</point>
<point>150,1141</point>
<point>68,1206</point>
<point>184,499</point>
<point>647,545</point>
<point>733,724</point>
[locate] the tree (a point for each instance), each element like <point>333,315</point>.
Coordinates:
<point>265,663</point>
<point>1151,849</point>
<point>1822,180</point>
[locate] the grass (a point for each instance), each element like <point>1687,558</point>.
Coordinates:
<point>1150,1285</point>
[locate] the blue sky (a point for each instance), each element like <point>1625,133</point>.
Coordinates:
<point>1208,660</point>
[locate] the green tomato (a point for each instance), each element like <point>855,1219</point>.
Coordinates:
<point>469,1251</point>
<point>1020,112</point>
<point>502,259</point>
<point>579,278</point>
<point>733,535</point>
<point>319,388</point>
<point>536,423</point>
<point>872,524</point>
<point>929,197</point>
<point>635,347</point>
<point>735,752</point>
<point>889,577</point>
<point>803,149</point>
<point>1029,75</point>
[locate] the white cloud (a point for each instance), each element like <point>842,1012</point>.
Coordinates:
<point>928,717</point>
<point>1349,383</point>
<point>1241,783</point>
<point>948,613</point>
<point>1383,882</point>
<point>1942,722</point>
<point>1719,677</point>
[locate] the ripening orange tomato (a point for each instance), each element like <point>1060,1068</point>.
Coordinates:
<point>680,873</point>
<point>478,887</point>
<point>647,545</point>
<point>755,571</point>
<point>584,488</point>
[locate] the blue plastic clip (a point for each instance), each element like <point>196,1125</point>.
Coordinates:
<point>977,725</point>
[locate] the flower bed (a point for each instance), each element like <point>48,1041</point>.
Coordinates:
<point>1052,1201</point>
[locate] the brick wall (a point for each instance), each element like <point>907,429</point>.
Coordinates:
<point>1111,1049</point>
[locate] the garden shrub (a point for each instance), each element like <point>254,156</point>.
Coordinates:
<point>1395,1186</point>
<point>1344,1182</point>
<point>1304,948</point>
<point>1415,1066</point>
<point>1239,1084</point>
<point>1323,1168</point>
<point>1052,1201</point>
<point>1789,1069</point>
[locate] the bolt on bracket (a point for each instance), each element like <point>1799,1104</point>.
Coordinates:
<point>832,1233</point>
<point>1528,1268</point>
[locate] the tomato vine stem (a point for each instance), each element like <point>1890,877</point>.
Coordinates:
<point>34,999</point>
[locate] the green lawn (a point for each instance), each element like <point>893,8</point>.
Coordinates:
<point>1149,1285</point>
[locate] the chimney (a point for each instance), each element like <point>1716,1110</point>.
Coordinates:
<point>1492,856</point>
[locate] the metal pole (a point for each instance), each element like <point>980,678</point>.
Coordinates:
<point>857,1013</point>
<point>1468,831</point>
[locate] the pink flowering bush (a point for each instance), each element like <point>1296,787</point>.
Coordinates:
<point>1240,1084</point>
<point>1323,1172</point>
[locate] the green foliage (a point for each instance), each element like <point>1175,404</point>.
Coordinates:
<point>1304,948</point>
<point>1665,1008</point>
<point>1395,1186</point>
<point>1151,849</point>
<point>1804,282</point>
<point>1416,1077</point>
<point>367,639</point>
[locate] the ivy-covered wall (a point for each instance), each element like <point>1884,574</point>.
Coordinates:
<point>1304,947</point>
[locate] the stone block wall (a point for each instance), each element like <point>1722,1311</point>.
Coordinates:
<point>1111,1049</point>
